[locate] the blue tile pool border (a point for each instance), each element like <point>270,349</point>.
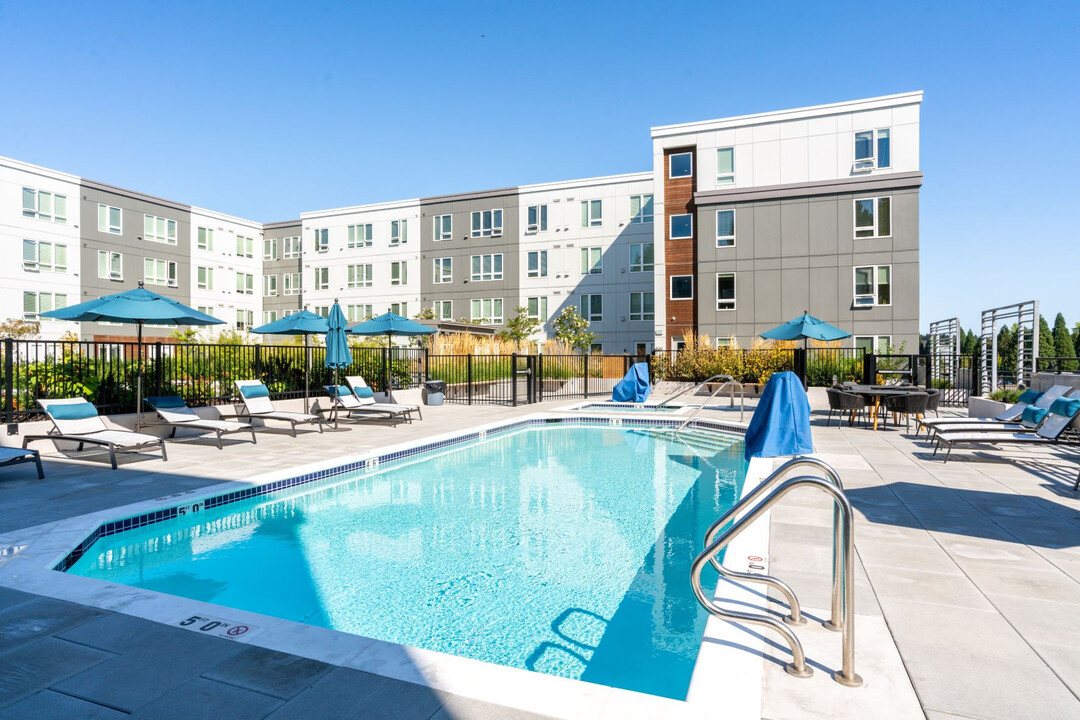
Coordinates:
<point>137,521</point>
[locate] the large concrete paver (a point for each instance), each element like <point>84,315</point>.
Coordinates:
<point>41,664</point>
<point>201,698</point>
<point>270,672</point>
<point>56,706</point>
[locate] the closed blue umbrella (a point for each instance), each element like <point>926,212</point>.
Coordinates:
<point>390,324</point>
<point>137,306</point>
<point>304,323</point>
<point>338,354</point>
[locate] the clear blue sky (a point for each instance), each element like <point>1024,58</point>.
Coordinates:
<point>263,109</point>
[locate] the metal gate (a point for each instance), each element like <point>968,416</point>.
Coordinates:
<point>955,375</point>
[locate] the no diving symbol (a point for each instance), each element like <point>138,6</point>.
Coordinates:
<point>236,630</point>
<point>755,562</point>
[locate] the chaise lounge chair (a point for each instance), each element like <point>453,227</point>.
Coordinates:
<point>1062,415</point>
<point>1010,414</point>
<point>15,456</point>
<point>77,420</point>
<point>174,412</point>
<point>343,399</point>
<point>366,396</point>
<point>257,404</point>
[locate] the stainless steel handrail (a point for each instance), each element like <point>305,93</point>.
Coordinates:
<point>847,675</point>
<point>704,383</point>
<point>730,381</point>
<point>835,622</point>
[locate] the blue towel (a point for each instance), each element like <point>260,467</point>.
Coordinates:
<point>634,387</point>
<point>781,422</point>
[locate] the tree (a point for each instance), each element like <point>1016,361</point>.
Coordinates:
<point>570,328</point>
<point>20,329</point>
<point>426,314</point>
<point>969,344</point>
<point>185,335</point>
<point>520,327</point>
<point>1045,335</point>
<point>1063,344</point>
<point>1006,349</point>
<point>1076,339</point>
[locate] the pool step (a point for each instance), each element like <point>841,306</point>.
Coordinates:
<point>702,440</point>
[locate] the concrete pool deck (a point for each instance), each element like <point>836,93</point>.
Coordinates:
<point>971,567</point>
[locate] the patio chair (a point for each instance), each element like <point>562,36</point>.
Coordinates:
<point>15,456</point>
<point>912,403</point>
<point>843,402</point>
<point>174,412</point>
<point>77,420</point>
<point>932,403</point>
<point>1010,414</point>
<point>257,404</point>
<point>1062,415</point>
<point>366,396</point>
<point>343,398</point>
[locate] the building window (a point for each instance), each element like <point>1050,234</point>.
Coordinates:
<point>487,267</point>
<point>158,229</point>
<point>205,310</point>
<point>725,228</point>
<point>873,217</point>
<point>399,273</point>
<point>290,248</point>
<point>443,270</point>
<point>270,249</point>
<point>44,256</point>
<point>245,283</point>
<point>873,285</point>
<point>159,272</point>
<point>443,227</point>
<point>322,240</point>
<point>322,310</point>
<point>872,149</point>
<point>269,316</point>
<point>725,291</point>
<point>682,287</point>
<point>110,219</point>
<point>359,276</point>
<point>400,308</point>
<point>725,166</point>
<point>204,239</point>
<point>537,260</point>
<point>244,320</point>
<point>641,257</point>
<point>596,349</point>
<point>359,235</point>
<point>44,205</point>
<point>642,306</point>
<point>245,247</point>
<point>291,283</point>
<point>880,344</point>
<point>399,232</point>
<point>488,310</point>
<point>487,223</point>
<point>536,219</point>
<point>269,285</point>
<point>110,265</point>
<point>592,307</point>
<point>357,313</point>
<point>204,278</point>
<point>592,261</point>
<point>322,278</point>
<point>681,227</point>
<point>723,342</point>
<point>641,208</point>
<point>681,165</point>
<point>35,303</point>
<point>444,309</point>
<point>592,213</point>
<point>537,308</point>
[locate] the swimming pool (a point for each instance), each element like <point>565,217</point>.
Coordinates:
<point>563,549</point>
<point>629,407</point>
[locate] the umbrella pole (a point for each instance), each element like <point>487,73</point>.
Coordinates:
<point>138,381</point>
<point>386,369</point>
<point>307,370</point>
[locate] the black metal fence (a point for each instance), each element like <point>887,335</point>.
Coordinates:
<point>1057,364</point>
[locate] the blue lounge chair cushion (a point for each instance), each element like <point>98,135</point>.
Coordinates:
<point>166,401</point>
<point>337,390</point>
<point>73,411</point>
<point>364,392</point>
<point>254,391</point>
<point>1034,415</point>
<point>1029,397</point>
<point>1068,407</point>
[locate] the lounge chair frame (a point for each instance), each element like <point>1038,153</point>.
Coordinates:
<point>218,427</point>
<point>88,437</point>
<point>293,419</point>
<point>27,456</point>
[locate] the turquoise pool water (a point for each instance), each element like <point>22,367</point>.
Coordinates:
<point>561,549</point>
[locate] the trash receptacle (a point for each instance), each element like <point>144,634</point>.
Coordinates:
<point>433,392</point>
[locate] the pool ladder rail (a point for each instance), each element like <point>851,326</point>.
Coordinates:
<point>728,382</point>
<point>745,512</point>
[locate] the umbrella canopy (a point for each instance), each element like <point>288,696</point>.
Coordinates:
<point>803,327</point>
<point>337,344</point>
<point>390,324</point>
<point>135,306</point>
<point>303,323</point>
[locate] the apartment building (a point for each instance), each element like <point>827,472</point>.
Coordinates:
<point>742,223</point>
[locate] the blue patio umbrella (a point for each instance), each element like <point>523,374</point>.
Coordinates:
<point>137,306</point>
<point>390,324</point>
<point>803,327</point>
<point>338,354</point>
<point>304,323</point>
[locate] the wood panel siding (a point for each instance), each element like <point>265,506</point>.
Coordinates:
<point>680,256</point>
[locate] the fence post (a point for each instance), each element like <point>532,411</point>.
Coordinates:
<point>513,379</point>
<point>425,375</point>
<point>386,370</point>
<point>800,364</point>
<point>539,377</point>
<point>468,377</point>
<point>158,373</point>
<point>258,361</point>
<point>869,368</point>
<point>585,373</point>
<point>9,381</point>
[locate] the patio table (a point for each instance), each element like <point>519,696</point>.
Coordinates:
<point>874,394</point>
